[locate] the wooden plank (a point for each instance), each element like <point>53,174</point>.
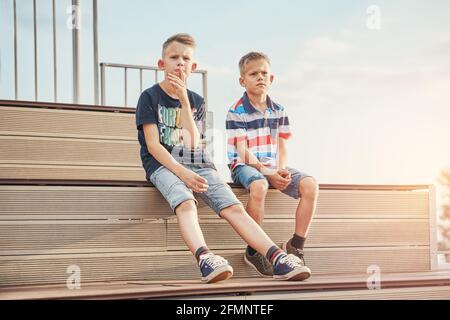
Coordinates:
<point>180,265</point>
<point>42,202</point>
<point>63,106</point>
<point>67,123</point>
<point>67,151</point>
<point>84,236</point>
<point>45,201</point>
<point>415,293</point>
<point>66,172</point>
<point>323,233</point>
<point>249,288</point>
<point>88,236</point>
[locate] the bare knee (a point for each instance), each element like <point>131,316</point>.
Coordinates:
<point>233,211</point>
<point>258,190</point>
<point>187,206</point>
<point>309,188</point>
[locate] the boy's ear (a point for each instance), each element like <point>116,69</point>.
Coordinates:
<point>160,64</point>
<point>271,78</point>
<point>193,67</point>
<point>241,82</point>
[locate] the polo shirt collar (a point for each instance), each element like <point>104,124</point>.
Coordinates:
<point>249,108</point>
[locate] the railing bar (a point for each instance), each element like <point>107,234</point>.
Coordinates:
<point>140,80</point>
<point>16,80</point>
<point>205,89</point>
<point>95,31</point>
<point>35,52</point>
<point>156,76</point>
<point>125,75</point>
<point>102,82</point>
<point>55,74</point>
<point>76,9</point>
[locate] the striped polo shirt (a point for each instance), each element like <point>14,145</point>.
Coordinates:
<point>261,130</point>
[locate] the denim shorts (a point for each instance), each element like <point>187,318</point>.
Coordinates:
<point>218,196</point>
<point>245,175</point>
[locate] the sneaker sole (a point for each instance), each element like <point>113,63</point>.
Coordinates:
<point>254,268</point>
<point>295,275</point>
<point>220,274</point>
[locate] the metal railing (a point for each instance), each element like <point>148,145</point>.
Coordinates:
<point>141,68</point>
<point>76,16</point>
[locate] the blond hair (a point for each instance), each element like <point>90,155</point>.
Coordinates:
<point>251,56</point>
<point>183,38</point>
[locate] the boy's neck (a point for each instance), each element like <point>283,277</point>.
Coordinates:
<point>168,89</point>
<point>259,101</point>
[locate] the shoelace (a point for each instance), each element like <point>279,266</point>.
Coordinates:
<point>300,255</point>
<point>213,260</point>
<point>291,260</point>
<point>266,264</point>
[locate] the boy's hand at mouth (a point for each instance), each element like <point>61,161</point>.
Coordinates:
<point>179,84</point>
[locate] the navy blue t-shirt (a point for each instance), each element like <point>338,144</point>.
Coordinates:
<point>156,106</point>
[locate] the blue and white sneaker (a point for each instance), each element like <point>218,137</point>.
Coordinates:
<point>290,267</point>
<point>214,268</point>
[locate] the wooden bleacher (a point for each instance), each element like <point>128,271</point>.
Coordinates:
<point>73,192</point>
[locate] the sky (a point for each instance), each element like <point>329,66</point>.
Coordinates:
<point>366,84</point>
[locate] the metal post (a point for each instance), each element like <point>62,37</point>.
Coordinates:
<point>16,80</point>
<point>76,9</point>
<point>55,75</point>
<point>205,88</point>
<point>433,227</point>
<point>35,52</point>
<point>102,82</point>
<point>95,31</point>
<point>126,84</point>
<point>140,80</point>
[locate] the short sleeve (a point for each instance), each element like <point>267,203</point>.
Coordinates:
<point>145,112</point>
<point>284,129</point>
<point>236,128</point>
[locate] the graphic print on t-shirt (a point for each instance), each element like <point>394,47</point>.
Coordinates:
<point>170,125</point>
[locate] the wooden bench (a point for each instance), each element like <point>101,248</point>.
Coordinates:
<point>73,193</point>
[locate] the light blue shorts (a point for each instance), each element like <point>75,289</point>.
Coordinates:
<point>218,196</point>
<point>245,175</point>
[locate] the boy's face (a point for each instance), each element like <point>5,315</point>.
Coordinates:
<point>178,59</point>
<point>256,78</point>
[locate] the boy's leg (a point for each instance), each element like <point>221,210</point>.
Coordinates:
<point>305,187</point>
<point>257,185</point>
<point>180,198</point>
<point>247,228</point>
<point>309,192</point>
<point>257,197</point>
<point>189,227</point>
<point>285,267</point>
<point>223,201</point>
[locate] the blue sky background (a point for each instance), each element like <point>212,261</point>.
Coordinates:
<point>366,106</point>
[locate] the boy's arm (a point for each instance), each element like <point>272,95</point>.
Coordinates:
<point>191,136</point>
<point>282,153</point>
<point>190,178</point>
<point>277,178</point>
<point>250,159</point>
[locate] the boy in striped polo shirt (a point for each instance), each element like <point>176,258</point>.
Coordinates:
<point>257,130</point>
